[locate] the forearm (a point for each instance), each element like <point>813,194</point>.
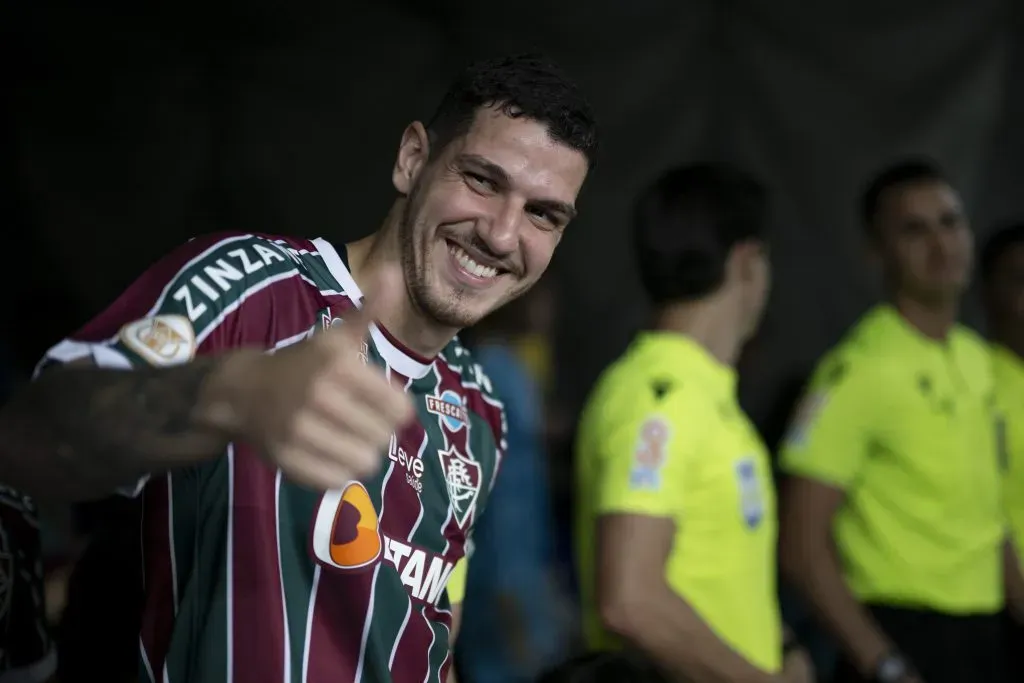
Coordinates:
<point>668,630</point>
<point>80,432</point>
<point>821,581</point>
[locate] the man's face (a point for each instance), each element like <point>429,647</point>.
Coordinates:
<point>1004,291</point>
<point>925,240</point>
<point>483,216</point>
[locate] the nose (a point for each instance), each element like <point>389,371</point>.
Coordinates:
<point>501,230</point>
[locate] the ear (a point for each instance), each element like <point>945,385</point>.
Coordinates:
<point>413,153</point>
<point>743,261</point>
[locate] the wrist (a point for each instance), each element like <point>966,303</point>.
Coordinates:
<point>221,408</point>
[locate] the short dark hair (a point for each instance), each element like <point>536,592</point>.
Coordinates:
<point>687,222</point>
<point>996,246</point>
<point>526,85</point>
<point>604,667</point>
<point>906,171</point>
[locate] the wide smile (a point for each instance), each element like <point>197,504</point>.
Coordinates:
<point>469,269</point>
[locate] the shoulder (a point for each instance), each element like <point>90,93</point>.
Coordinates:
<point>629,393</point>
<point>456,364</point>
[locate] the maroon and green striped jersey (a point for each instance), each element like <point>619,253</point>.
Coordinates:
<point>250,578</point>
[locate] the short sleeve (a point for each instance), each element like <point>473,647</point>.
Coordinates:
<point>831,431</point>
<point>644,458</point>
<point>457,582</point>
<point>191,302</point>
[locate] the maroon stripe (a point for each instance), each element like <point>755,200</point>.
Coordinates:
<point>342,598</point>
<point>342,602</point>
<point>257,607</point>
<point>412,661</point>
<point>158,613</point>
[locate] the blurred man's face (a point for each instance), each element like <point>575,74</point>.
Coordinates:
<point>1004,291</point>
<point>483,216</point>
<point>925,241</point>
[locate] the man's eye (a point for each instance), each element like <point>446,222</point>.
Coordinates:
<point>480,182</point>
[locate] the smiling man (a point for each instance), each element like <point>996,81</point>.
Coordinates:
<point>306,495</point>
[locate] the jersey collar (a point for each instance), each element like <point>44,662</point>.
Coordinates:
<point>689,356</point>
<point>1008,363</point>
<point>402,360</point>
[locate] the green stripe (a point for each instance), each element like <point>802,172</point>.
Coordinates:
<point>205,652</point>
<point>296,509</point>
<point>184,503</point>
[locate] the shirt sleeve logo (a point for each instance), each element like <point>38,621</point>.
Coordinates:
<point>751,495</point>
<point>162,340</point>
<point>649,455</point>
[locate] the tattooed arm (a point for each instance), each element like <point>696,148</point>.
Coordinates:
<point>81,431</point>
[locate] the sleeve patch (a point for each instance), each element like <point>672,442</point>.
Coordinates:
<point>162,340</point>
<point>650,454</point>
<point>805,416</point>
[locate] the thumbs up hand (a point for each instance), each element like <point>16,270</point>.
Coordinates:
<point>316,410</point>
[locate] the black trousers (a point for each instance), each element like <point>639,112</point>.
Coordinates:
<point>942,647</point>
<point>1013,642</point>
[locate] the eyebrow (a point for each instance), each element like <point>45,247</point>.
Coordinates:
<point>499,175</point>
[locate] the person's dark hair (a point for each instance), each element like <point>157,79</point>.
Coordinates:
<point>604,667</point>
<point>527,85</point>
<point>900,173</point>
<point>996,246</point>
<point>686,224</point>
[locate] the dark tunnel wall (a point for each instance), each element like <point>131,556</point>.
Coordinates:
<point>131,130</point>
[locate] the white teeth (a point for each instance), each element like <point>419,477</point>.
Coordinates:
<point>471,266</point>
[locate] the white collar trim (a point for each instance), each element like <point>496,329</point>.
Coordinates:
<point>397,359</point>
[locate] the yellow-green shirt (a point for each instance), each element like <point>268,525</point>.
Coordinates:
<point>905,425</point>
<point>663,435</point>
<point>1008,369</point>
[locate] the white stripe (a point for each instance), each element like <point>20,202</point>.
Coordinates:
<point>366,626</point>
<point>145,660</point>
<point>337,268</point>
<point>170,543</point>
<point>309,623</point>
<point>167,676</point>
<point>433,637</point>
<point>398,638</point>
<point>280,573</point>
<point>230,636</point>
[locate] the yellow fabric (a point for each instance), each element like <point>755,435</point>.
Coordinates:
<point>663,435</point>
<point>534,350</point>
<point>457,582</point>
<point>905,425</point>
<point>1008,369</point>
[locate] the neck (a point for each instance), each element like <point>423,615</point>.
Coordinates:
<point>933,320</point>
<point>708,322</point>
<point>403,320</point>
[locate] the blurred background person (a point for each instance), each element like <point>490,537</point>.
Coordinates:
<point>517,619</point>
<point>27,650</point>
<point>1002,277</point>
<point>676,517</point>
<point>892,522</point>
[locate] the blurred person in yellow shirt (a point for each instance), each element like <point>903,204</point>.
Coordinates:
<point>675,523</point>
<point>892,525</point>
<point>1002,275</point>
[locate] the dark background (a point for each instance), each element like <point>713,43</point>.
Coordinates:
<point>133,126</point>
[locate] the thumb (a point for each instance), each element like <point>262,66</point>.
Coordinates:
<point>383,293</point>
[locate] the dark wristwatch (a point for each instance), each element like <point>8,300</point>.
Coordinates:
<point>891,669</point>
